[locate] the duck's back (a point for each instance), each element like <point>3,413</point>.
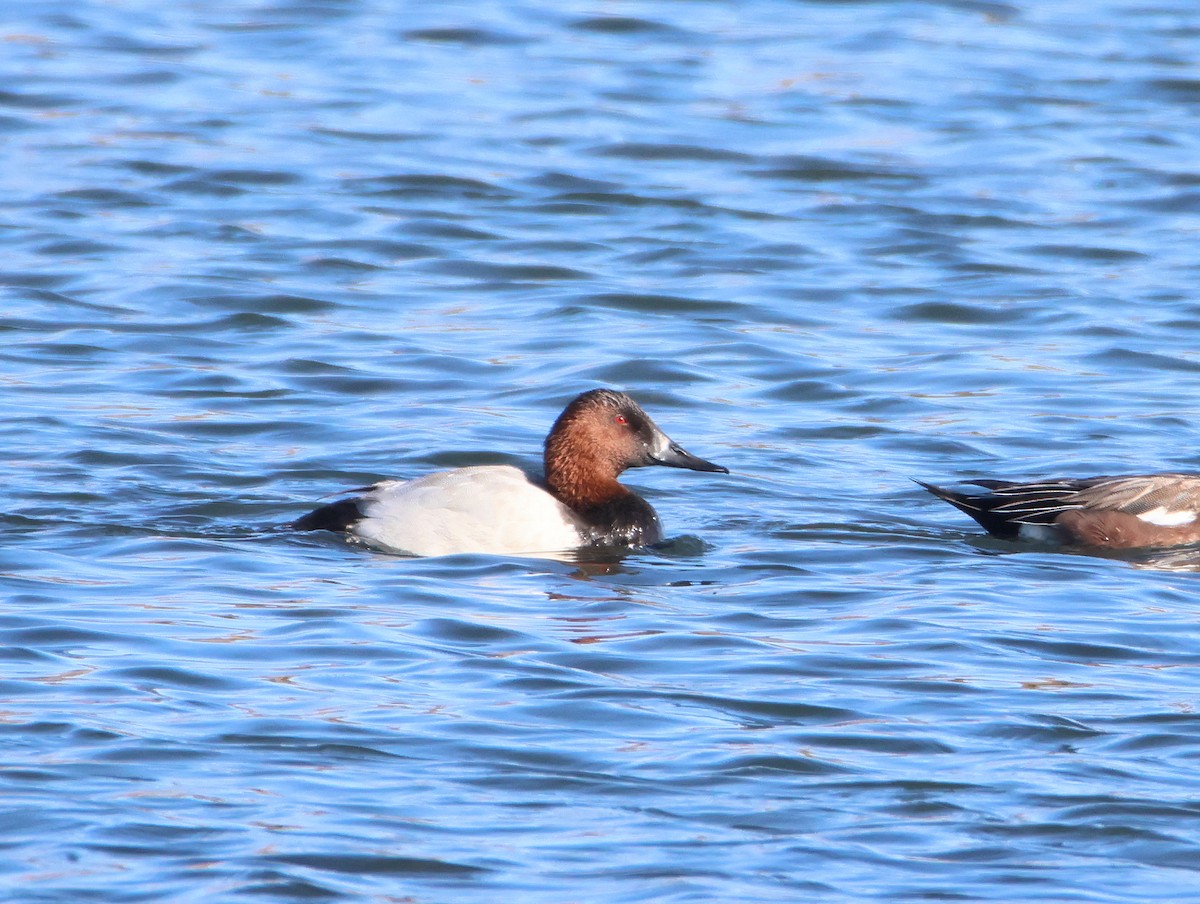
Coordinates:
<point>493,509</point>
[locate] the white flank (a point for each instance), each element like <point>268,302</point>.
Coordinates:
<point>1165,518</point>
<point>1039,533</point>
<point>484,509</point>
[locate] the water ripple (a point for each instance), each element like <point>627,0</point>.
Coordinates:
<point>258,255</point>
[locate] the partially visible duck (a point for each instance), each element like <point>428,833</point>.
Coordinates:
<point>502,510</point>
<point>1123,512</point>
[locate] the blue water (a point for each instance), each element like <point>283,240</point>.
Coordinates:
<point>255,254</point>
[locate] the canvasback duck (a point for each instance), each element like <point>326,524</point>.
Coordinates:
<point>502,510</point>
<point>1124,512</point>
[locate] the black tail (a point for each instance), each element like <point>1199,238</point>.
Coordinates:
<point>337,516</point>
<point>978,507</point>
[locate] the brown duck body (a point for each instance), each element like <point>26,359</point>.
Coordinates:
<point>1120,512</point>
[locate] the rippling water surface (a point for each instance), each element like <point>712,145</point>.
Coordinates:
<point>257,253</point>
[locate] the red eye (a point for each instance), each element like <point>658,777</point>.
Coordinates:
<point>620,419</point>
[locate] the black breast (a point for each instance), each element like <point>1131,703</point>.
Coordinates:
<point>338,516</point>
<point>627,520</point>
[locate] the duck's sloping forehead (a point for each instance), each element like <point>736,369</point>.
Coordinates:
<point>602,403</point>
<point>608,397</point>
<point>602,400</point>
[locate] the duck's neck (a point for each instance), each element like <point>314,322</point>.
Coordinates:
<point>582,495</point>
<point>581,483</point>
<point>614,515</point>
